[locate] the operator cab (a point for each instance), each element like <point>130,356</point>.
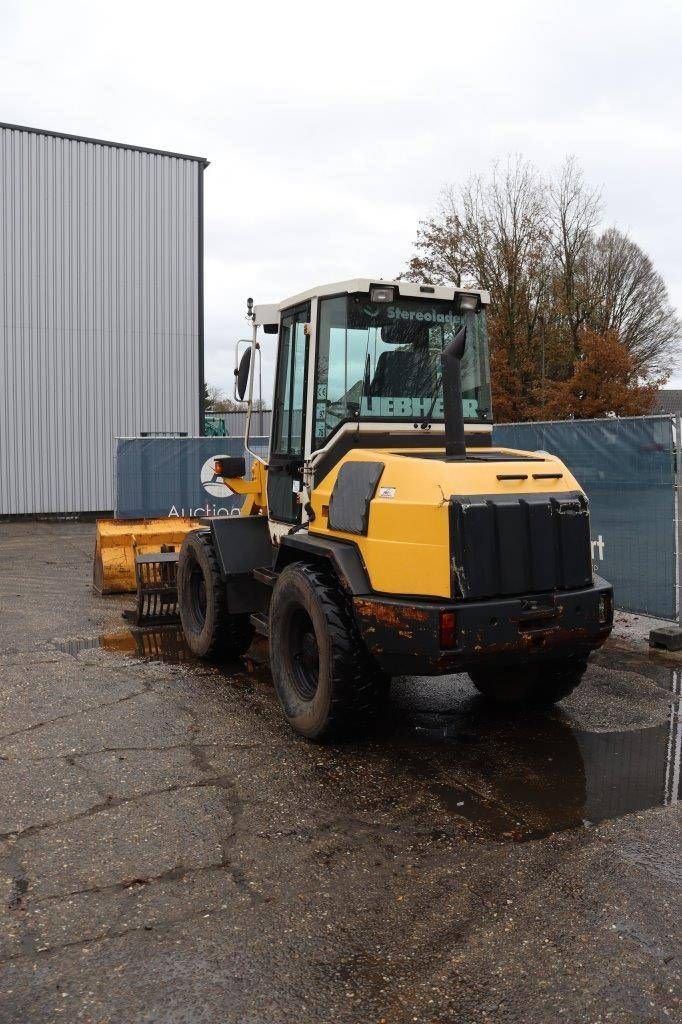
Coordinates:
<point>359,365</point>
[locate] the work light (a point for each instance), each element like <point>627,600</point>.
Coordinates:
<point>468,302</point>
<point>380,294</point>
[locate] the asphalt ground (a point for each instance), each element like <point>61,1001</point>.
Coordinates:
<point>170,852</point>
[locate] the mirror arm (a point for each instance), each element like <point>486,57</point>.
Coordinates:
<point>249,408</point>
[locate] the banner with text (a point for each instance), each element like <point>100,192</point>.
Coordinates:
<point>174,476</point>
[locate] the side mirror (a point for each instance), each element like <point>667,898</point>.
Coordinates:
<point>242,374</point>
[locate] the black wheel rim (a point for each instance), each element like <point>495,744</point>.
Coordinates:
<point>197,594</point>
<point>304,653</point>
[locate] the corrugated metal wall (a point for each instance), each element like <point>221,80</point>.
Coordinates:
<point>99,313</point>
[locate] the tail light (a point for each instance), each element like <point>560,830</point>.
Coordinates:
<point>448,626</point>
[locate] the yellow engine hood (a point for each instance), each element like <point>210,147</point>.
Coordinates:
<point>407,546</point>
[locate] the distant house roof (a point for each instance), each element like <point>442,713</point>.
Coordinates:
<point>668,402</point>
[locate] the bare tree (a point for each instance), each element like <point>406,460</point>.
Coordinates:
<point>505,246</point>
<point>440,245</point>
<point>213,397</point>
<point>492,233</point>
<point>216,401</point>
<point>631,298</point>
<point>573,215</point>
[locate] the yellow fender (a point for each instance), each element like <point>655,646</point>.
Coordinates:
<point>119,540</point>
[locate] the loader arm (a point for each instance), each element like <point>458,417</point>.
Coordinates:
<point>255,489</point>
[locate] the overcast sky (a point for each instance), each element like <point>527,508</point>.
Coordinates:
<point>332,128</point>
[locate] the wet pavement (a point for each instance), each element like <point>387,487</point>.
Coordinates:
<point>169,851</point>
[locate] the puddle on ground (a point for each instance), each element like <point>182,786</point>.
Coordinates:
<point>523,776</point>
<point>534,775</point>
<point>156,643</point>
<point>166,644</point>
<point>513,777</point>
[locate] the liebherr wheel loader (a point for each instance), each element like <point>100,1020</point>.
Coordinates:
<point>383,534</point>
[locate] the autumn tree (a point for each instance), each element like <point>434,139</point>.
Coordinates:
<point>509,401</point>
<point>572,217</point>
<point>536,245</point>
<point>604,382</point>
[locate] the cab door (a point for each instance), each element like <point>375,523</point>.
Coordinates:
<point>285,463</point>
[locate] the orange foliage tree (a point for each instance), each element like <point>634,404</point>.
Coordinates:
<point>579,317</point>
<point>604,382</point>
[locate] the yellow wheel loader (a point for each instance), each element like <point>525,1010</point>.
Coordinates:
<point>383,534</point>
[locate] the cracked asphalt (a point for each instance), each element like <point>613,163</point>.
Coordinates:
<point>170,852</point>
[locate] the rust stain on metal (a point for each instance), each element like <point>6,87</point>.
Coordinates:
<point>539,639</point>
<point>397,616</point>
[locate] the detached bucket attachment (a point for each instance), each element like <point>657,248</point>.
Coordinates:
<point>120,541</point>
<point>157,588</point>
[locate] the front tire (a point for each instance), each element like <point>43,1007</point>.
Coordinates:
<point>211,632</point>
<point>327,683</point>
<point>539,685</point>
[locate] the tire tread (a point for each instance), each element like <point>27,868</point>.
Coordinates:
<point>230,633</point>
<point>357,683</point>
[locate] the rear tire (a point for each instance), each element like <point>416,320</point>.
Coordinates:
<point>539,685</point>
<point>211,632</point>
<point>326,681</point>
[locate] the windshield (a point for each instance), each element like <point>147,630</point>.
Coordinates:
<point>381,361</point>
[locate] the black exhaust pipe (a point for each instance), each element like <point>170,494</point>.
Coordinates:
<point>450,360</point>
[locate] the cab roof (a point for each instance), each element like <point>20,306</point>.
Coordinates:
<point>265,314</point>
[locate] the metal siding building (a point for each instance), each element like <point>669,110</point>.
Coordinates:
<point>101,311</point>
<point>234,422</point>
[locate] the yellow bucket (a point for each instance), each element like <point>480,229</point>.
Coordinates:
<point>119,540</point>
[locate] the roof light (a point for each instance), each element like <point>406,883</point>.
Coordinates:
<point>381,294</point>
<point>468,302</point>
